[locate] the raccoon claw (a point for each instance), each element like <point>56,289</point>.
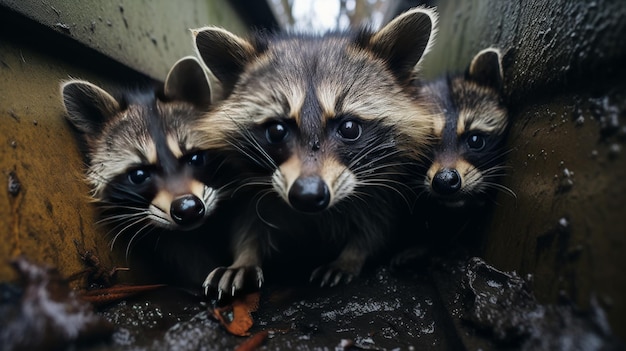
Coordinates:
<point>231,280</point>
<point>331,276</point>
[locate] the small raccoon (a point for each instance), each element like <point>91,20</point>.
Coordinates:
<point>465,161</point>
<point>323,127</point>
<point>470,126</point>
<point>144,163</point>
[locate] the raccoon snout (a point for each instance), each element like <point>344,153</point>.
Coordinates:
<point>309,194</point>
<point>446,181</point>
<point>187,210</point>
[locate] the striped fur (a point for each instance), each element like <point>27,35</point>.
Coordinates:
<point>322,127</point>
<point>144,161</point>
<point>471,127</point>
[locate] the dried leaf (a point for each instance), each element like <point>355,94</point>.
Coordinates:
<point>253,342</point>
<point>115,293</point>
<point>236,317</point>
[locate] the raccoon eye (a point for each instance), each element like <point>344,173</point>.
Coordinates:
<point>197,159</point>
<point>138,176</point>
<point>276,133</point>
<point>476,142</point>
<point>350,130</point>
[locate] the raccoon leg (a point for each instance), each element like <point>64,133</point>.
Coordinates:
<point>342,270</point>
<point>244,274</point>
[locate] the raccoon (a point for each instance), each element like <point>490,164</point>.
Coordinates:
<point>144,162</point>
<point>322,127</point>
<point>471,127</point>
<point>465,163</point>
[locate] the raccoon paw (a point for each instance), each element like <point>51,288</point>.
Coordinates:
<point>414,257</point>
<point>332,275</point>
<point>230,280</point>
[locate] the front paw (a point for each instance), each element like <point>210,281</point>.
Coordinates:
<point>416,257</point>
<point>230,280</point>
<point>333,274</point>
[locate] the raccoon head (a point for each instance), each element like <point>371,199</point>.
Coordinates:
<point>322,114</point>
<point>471,128</point>
<point>144,163</point>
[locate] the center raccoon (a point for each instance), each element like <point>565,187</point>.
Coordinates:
<point>322,127</point>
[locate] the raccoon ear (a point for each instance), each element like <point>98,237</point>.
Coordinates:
<point>88,106</point>
<point>405,40</point>
<point>224,53</point>
<point>486,68</point>
<point>187,81</point>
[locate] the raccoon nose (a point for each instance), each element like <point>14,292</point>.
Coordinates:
<point>309,194</point>
<point>446,181</point>
<point>187,210</point>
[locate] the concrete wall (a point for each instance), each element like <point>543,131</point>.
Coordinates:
<point>565,85</point>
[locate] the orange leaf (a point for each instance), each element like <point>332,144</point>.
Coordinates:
<point>253,342</point>
<point>236,317</point>
<point>115,293</point>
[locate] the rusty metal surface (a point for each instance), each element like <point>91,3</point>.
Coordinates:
<point>51,207</point>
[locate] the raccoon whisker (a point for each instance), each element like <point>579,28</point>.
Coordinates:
<point>245,133</point>
<point>254,181</point>
<point>506,152</point>
<point>123,220</point>
<point>494,175</point>
<point>242,149</point>
<point>364,196</point>
<point>372,170</point>
<point>128,195</point>
<point>501,187</point>
<point>377,164</point>
<point>375,181</point>
<point>389,184</point>
<point>129,225</point>
<point>108,206</point>
<point>117,187</point>
<point>120,217</point>
<point>365,152</point>
<point>139,232</point>
<point>424,190</point>
<point>499,168</point>
<point>382,177</point>
<point>494,172</point>
<point>258,212</point>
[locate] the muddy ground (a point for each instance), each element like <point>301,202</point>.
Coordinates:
<point>456,302</point>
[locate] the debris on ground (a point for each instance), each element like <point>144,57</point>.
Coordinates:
<point>42,312</point>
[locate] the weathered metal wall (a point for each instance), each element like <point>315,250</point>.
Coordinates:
<point>146,35</point>
<point>565,85</point>
<point>42,43</point>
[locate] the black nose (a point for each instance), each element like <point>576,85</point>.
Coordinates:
<point>309,194</point>
<point>187,210</point>
<point>446,181</point>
